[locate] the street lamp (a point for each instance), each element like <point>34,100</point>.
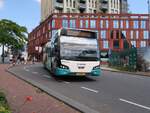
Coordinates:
<point>148,2</point>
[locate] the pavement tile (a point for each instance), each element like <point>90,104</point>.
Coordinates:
<point>17,90</point>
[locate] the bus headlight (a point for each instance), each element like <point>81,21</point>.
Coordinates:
<point>64,67</point>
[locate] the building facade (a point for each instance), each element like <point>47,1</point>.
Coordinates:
<point>116,31</point>
<point>81,6</point>
<point>114,6</point>
<point>123,6</point>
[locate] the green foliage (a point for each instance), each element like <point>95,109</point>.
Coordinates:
<point>12,34</point>
<point>4,108</point>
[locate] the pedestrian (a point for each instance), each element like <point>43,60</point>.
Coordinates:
<point>33,60</point>
<point>13,60</point>
<point>19,59</point>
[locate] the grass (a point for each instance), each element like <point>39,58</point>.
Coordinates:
<point>4,107</point>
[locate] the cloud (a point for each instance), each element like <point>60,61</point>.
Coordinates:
<point>1,4</point>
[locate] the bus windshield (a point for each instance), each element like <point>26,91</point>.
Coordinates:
<point>79,48</point>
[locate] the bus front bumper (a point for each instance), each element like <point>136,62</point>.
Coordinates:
<point>67,72</point>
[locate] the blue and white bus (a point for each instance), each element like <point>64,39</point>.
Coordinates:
<point>73,52</point>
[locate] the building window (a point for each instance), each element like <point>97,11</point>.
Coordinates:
<point>121,24</point>
<point>133,43</point>
<point>145,34</point>
<point>103,34</point>
<point>107,24</point>
<point>124,34</point>
<point>116,44</point>
<point>137,34</point>
<point>87,24</point>
<point>95,3</point>
<point>65,23</point>
<point>67,3</point>
<point>135,24</point>
<point>143,43</point>
<point>115,24</point>
<point>74,4</point>
<point>127,24</point>
<point>70,3</point>
<point>93,24</point>
<point>81,23</point>
<point>101,24</point>
<point>49,26</point>
<point>53,23</point>
<point>143,24</point>
<point>53,32</point>
<point>105,45</point>
<point>131,34</point>
<point>72,24</point>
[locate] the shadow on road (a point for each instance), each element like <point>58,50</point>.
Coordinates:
<point>73,79</point>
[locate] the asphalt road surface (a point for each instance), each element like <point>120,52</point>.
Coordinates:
<point>110,93</point>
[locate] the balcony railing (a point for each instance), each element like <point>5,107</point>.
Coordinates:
<point>58,5</point>
<point>104,1</point>
<point>82,1</point>
<point>60,1</point>
<point>82,6</point>
<point>104,6</point>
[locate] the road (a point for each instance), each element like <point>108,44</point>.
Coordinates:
<point>110,93</point>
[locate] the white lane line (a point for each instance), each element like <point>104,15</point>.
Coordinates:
<point>34,72</point>
<point>95,91</point>
<point>135,104</point>
<point>27,70</point>
<point>24,68</point>
<point>66,82</point>
<point>46,76</point>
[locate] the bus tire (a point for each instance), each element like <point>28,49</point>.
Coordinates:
<point>54,65</point>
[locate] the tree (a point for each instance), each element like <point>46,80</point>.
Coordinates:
<point>12,35</point>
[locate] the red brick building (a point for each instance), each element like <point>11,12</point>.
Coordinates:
<point>115,31</point>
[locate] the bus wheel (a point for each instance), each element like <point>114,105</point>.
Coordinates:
<point>53,68</point>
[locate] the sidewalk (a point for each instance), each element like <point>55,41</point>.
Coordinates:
<point>133,73</point>
<point>17,90</point>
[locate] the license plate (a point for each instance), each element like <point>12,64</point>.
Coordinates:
<point>80,74</point>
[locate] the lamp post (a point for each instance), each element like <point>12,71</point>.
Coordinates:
<point>148,2</point>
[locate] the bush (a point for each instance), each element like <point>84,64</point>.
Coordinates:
<point>4,108</point>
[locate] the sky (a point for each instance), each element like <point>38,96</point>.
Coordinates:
<point>27,12</point>
<point>23,12</point>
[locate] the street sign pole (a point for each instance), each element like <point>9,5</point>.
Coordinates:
<point>148,2</point>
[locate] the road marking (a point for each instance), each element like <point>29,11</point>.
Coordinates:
<point>135,104</point>
<point>66,82</point>
<point>26,70</point>
<point>34,72</point>
<point>95,91</point>
<point>47,76</point>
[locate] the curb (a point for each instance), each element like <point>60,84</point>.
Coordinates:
<point>68,101</point>
<point>131,73</point>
